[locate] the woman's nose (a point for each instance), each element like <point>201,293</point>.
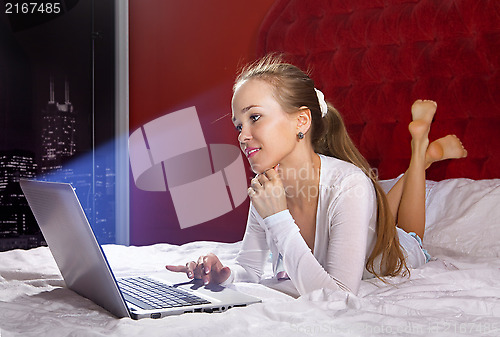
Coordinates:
<point>244,135</point>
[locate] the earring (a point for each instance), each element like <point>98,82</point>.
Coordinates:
<point>300,135</point>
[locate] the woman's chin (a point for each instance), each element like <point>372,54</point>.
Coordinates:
<point>259,169</point>
<point>256,168</point>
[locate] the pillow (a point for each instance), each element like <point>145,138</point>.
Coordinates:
<point>462,216</point>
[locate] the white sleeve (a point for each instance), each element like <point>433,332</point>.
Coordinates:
<point>253,254</point>
<point>349,219</point>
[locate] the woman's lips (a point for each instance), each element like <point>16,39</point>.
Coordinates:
<point>251,151</point>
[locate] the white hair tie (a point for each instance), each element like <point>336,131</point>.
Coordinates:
<point>322,103</point>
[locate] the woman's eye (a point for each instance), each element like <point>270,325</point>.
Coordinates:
<point>254,118</point>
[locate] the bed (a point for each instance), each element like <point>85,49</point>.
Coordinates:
<point>367,56</point>
<point>456,293</point>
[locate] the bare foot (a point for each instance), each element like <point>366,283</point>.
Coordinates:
<point>423,110</point>
<point>448,147</point>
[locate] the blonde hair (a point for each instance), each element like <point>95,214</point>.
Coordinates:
<point>294,89</point>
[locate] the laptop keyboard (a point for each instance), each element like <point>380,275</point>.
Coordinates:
<point>150,294</point>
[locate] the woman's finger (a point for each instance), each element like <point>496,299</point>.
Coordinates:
<point>204,269</point>
<point>263,179</point>
<point>190,269</point>
<point>177,269</point>
<point>198,269</point>
<point>211,263</point>
<point>255,184</point>
<point>187,268</point>
<point>251,192</point>
<point>207,265</point>
<point>271,174</point>
<point>214,270</point>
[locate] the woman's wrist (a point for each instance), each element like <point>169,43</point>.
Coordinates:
<point>278,215</point>
<point>229,280</point>
<point>281,226</point>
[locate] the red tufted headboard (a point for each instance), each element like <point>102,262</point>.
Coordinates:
<point>373,58</point>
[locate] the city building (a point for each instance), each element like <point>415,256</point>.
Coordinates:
<point>58,131</point>
<point>18,228</point>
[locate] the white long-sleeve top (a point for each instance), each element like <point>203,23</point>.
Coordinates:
<point>345,235</point>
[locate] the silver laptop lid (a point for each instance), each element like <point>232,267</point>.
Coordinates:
<point>72,242</point>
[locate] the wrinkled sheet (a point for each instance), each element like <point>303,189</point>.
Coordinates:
<point>456,293</point>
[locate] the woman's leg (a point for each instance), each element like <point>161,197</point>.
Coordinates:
<point>394,196</point>
<point>411,211</point>
<point>407,197</point>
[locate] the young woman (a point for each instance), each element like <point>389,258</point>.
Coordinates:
<point>315,203</point>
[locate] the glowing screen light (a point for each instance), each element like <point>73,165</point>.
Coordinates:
<point>92,175</point>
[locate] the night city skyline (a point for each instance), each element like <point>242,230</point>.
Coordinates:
<point>57,114</point>
<point>18,228</point>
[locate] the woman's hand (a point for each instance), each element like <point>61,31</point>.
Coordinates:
<point>208,268</point>
<point>267,193</point>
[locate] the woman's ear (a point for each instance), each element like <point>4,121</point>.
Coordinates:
<point>304,120</point>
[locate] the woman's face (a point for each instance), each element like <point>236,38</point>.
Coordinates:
<point>267,134</point>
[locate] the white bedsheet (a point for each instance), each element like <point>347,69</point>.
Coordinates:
<point>456,293</point>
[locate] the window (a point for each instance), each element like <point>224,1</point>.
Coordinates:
<point>63,112</point>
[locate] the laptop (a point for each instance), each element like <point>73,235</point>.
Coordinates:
<point>86,271</point>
